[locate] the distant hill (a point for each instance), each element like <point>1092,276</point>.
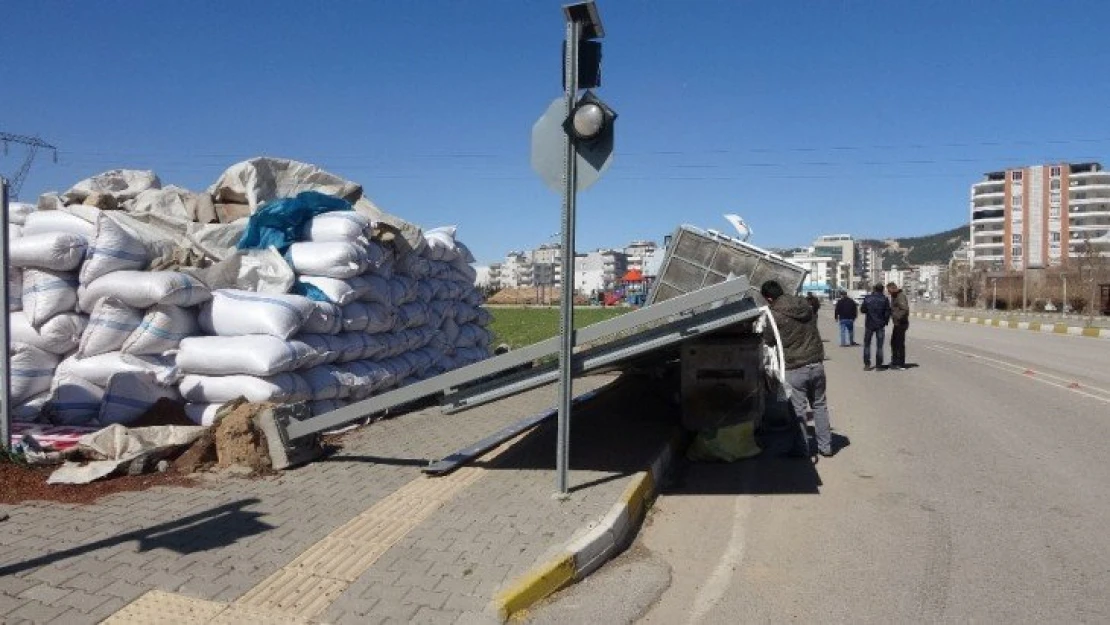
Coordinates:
<point>924,250</point>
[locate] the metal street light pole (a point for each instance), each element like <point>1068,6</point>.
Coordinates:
<point>994,293</point>
<point>566,300</point>
<point>5,326</point>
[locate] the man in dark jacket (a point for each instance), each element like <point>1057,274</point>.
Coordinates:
<point>900,317</point>
<point>803,354</point>
<point>813,302</point>
<point>846,312</point>
<point>876,311</point>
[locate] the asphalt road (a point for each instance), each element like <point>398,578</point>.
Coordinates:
<point>975,488</point>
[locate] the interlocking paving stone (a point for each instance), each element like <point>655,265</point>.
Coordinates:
<point>222,540</point>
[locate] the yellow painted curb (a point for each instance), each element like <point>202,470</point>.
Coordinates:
<point>535,585</point>
<point>1013,323</point>
<point>1091,332</point>
<point>636,496</point>
<point>1060,328</point>
<point>1035,326</point>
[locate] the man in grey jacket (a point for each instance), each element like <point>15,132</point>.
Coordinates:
<point>804,354</point>
<point>900,319</point>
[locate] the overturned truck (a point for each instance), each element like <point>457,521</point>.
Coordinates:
<point>703,313</point>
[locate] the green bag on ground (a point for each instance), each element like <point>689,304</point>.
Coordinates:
<point>725,444</point>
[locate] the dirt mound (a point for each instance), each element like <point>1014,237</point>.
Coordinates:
<point>238,441</point>
<point>199,456</point>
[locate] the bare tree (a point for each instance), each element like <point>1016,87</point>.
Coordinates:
<point>1091,267</point>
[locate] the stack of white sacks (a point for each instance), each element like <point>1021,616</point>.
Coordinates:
<point>97,338</point>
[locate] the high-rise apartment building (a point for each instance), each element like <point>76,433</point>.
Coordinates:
<point>1039,216</point>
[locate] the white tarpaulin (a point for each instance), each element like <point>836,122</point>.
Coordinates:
<point>122,184</point>
<point>118,445</point>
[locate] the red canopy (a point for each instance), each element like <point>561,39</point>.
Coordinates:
<point>633,275</point>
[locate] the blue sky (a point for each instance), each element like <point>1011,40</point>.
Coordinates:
<point>804,117</point>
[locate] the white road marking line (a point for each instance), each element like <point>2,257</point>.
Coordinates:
<point>718,582</point>
<point>1016,369</point>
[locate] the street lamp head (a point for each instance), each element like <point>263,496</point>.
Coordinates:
<point>587,121</point>
<point>590,119</point>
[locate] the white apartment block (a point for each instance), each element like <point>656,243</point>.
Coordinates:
<point>1039,216</point>
<point>871,265</point>
<point>824,273</point>
<point>598,271</point>
<point>638,252</point>
<point>841,247</point>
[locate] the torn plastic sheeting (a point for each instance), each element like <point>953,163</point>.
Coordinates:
<point>282,222</point>
<point>118,446</point>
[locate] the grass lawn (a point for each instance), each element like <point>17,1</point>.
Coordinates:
<point>524,326</point>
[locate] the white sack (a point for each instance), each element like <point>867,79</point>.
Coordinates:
<point>15,289</point>
<point>441,243</point>
<point>161,330</point>
<point>60,335</point>
<point>58,222</point>
<point>130,394</point>
<point>143,289</point>
<point>346,226</point>
<point>379,318</point>
<point>48,293</point>
<point>73,400</point>
<point>326,346</point>
<point>18,212</point>
<point>264,271</point>
<point>57,251</point>
<point>327,382</point>
<point>338,292</point>
<point>330,260</point>
<point>368,378</point>
<point>412,315</point>
<point>356,316</point>
<point>232,312</point>
<point>113,249</point>
<point>30,410</point>
<point>283,387</point>
<point>32,371</point>
<point>100,369</point>
<point>402,290</point>
<point>258,355</point>
<point>110,323</point>
<point>373,289</point>
<point>202,414</point>
<point>326,318</point>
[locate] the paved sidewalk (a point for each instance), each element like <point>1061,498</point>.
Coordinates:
<point>241,544</point>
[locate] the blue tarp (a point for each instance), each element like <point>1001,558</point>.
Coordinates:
<point>281,223</point>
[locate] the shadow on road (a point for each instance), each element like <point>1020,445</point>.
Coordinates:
<point>211,529</point>
<point>766,474</point>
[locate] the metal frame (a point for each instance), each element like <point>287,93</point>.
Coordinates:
<point>608,354</point>
<point>451,381</point>
<point>719,240</point>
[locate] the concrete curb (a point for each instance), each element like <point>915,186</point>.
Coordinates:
<point>1034,326</point>
<point>587,551</point>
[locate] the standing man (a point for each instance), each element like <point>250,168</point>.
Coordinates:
<point>900,316</point>
<point>846,312</point>
<point>813,302</point>
<point>805,371</point>
<point>876,311</point>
